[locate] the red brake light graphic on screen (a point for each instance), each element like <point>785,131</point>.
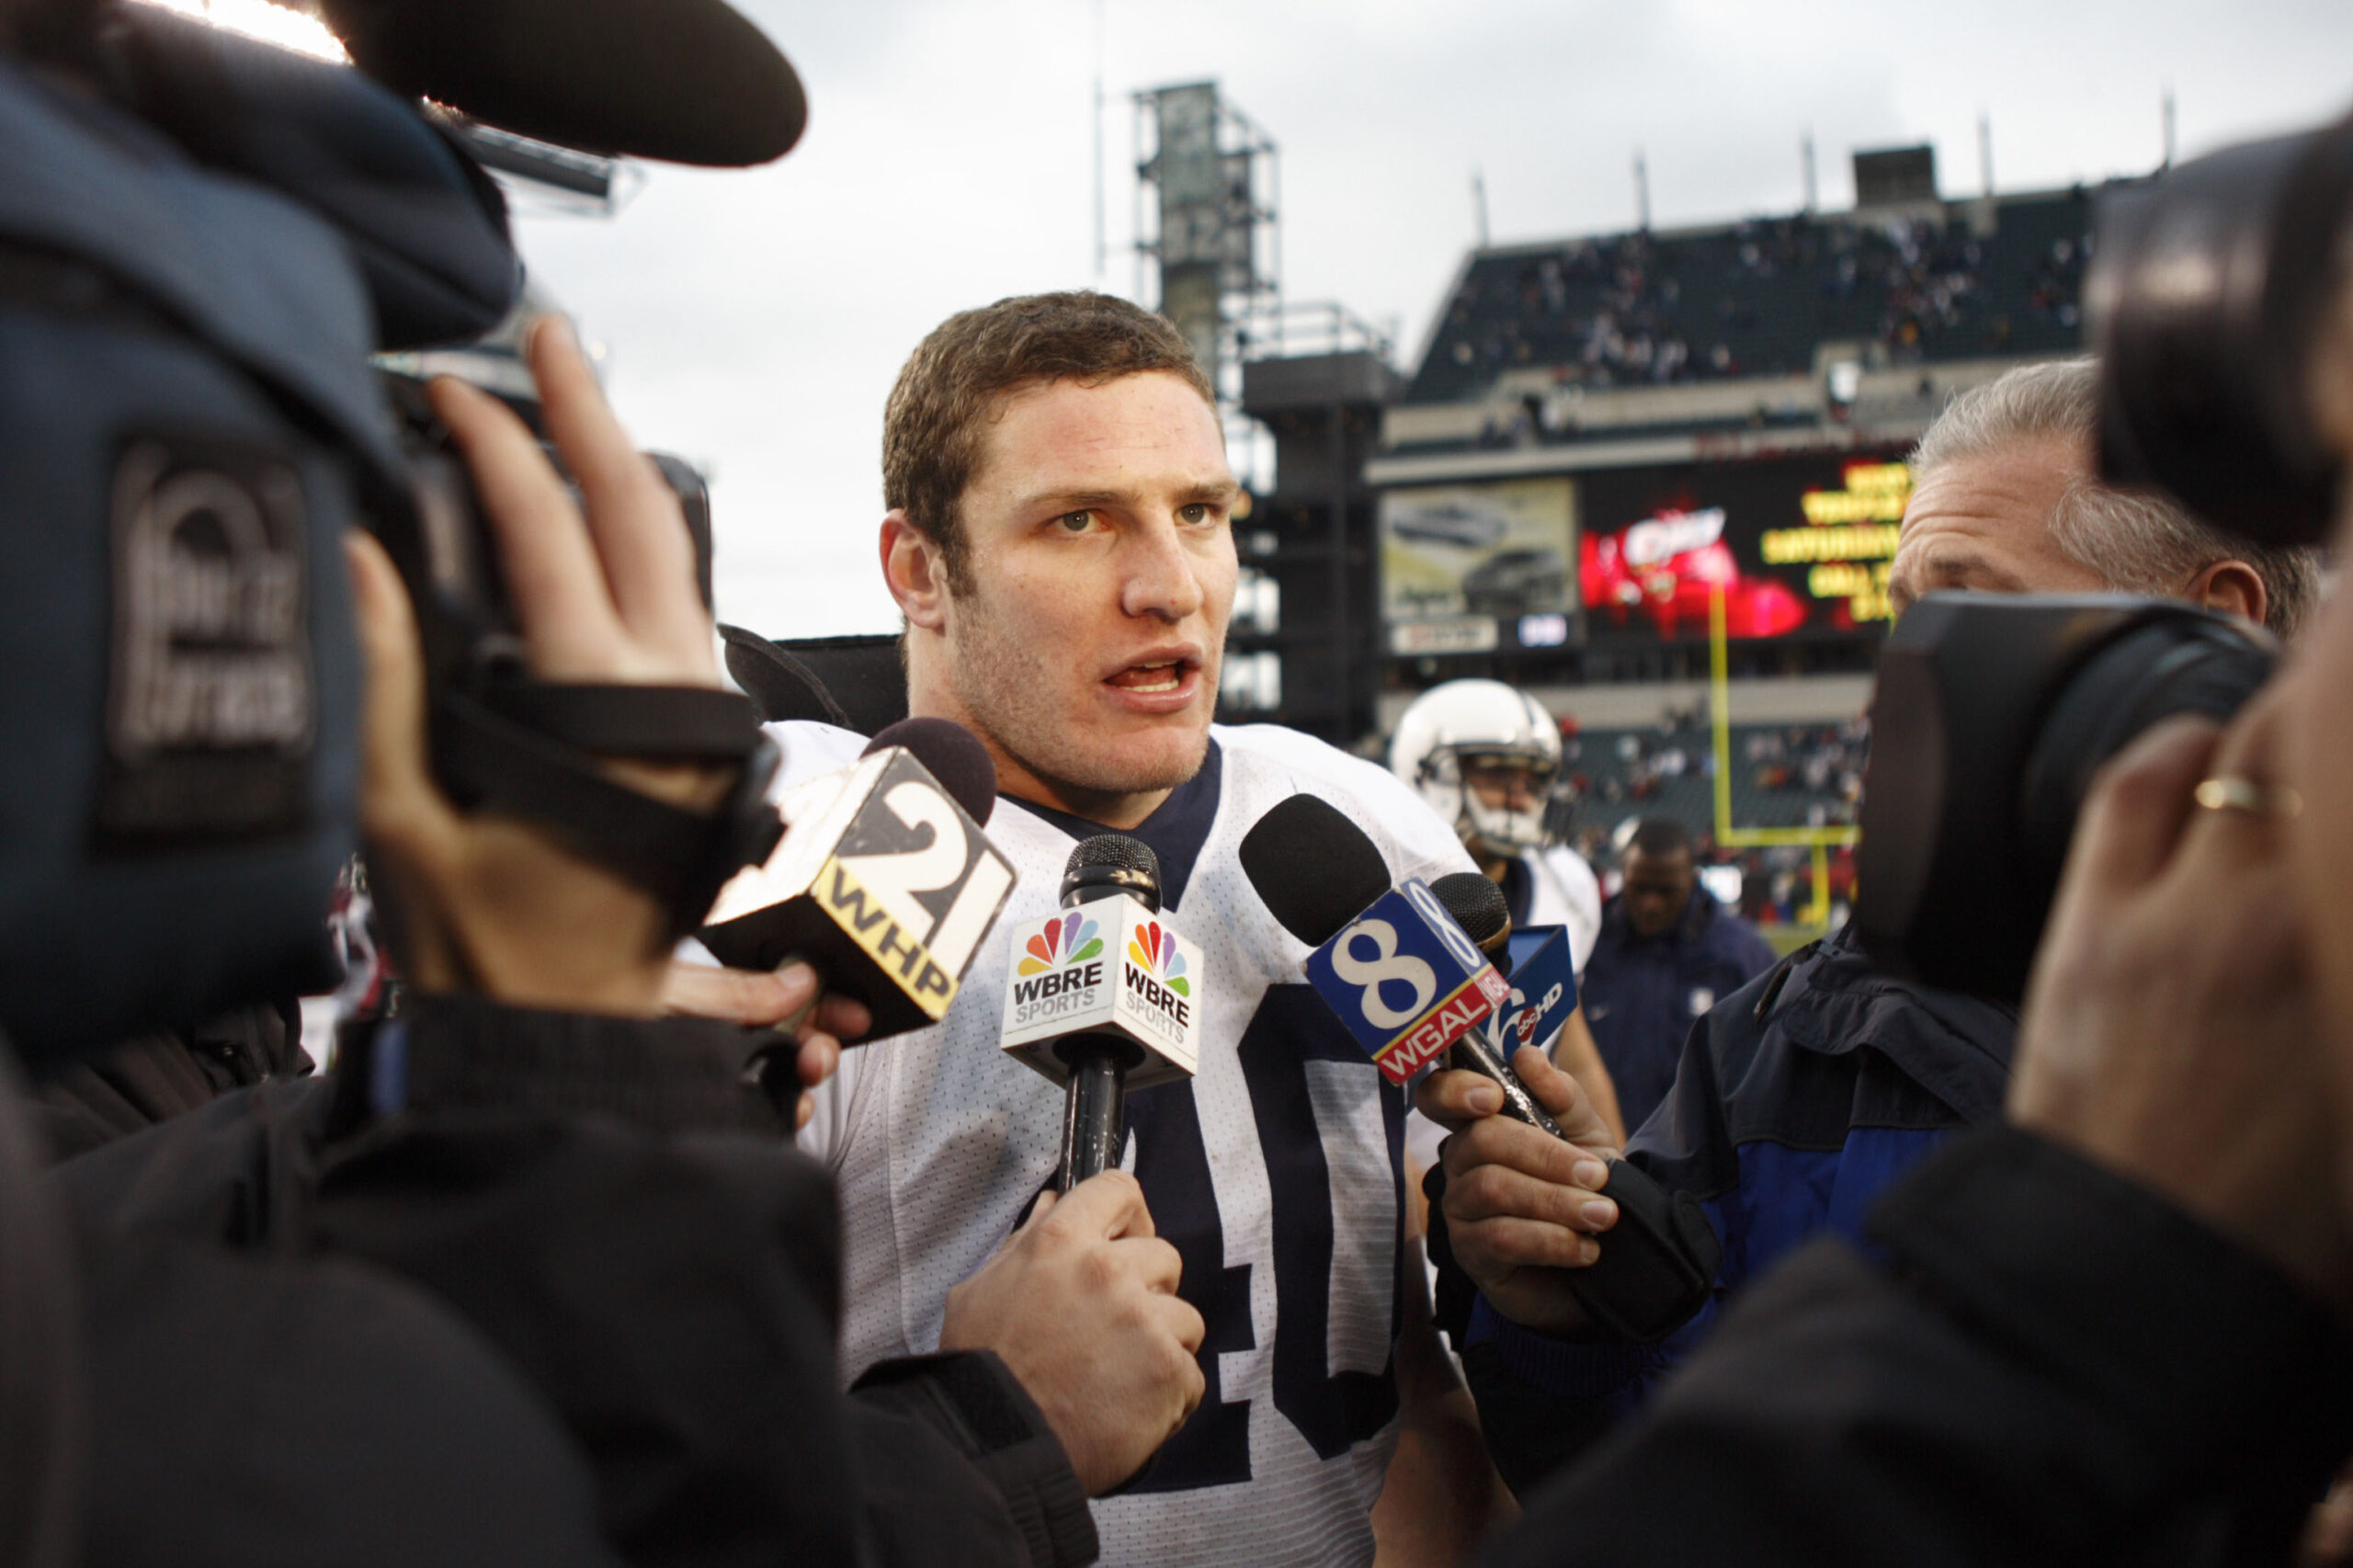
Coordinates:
<point>1663,568</point>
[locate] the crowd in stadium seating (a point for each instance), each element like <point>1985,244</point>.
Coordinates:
<point>1808,775</point>
<point>1783,776</point>
<point>1756,298</point>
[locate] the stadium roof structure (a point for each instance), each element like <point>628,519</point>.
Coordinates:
<point>1768,334</point>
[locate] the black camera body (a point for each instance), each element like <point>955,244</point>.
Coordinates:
<point>443,547</point>
<point>202,241</point>
<point>1991,717</point>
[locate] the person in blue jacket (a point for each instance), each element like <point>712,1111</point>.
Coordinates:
<point>1802,1097</point>
<point>1668,950</point>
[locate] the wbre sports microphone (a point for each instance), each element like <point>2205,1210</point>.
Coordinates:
<point>1390,961</point>
<point>885,884</point>
<point>1101,998</point>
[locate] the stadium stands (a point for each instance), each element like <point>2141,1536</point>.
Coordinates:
<point>1782,776</point>
<point>1755,299</point>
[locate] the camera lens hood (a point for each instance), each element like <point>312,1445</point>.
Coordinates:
<point>1991,717</point>
<point>2204,295</point>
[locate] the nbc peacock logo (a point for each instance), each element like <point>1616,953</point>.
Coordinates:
<point>1154,951</point>
<point>1072,939</point>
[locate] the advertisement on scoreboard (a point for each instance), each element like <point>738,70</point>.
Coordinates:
<point>1800,547</point>
<point>1466,568</point>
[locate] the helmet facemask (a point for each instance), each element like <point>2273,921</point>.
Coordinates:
<point>1497,797</point>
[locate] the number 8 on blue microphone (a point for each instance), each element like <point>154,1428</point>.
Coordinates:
<point>1406,980</point>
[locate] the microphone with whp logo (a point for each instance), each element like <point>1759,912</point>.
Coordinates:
<point>1101,998</point>
<point>885,885</point>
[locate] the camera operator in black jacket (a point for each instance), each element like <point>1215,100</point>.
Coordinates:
<point>524,1289</point>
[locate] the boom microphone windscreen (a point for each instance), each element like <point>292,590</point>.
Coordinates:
<point>954,757</point>
<point>1314,869</point>
<point>683,80</point>
<point>426,227</point>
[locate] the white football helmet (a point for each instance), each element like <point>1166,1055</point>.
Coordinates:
<point>1466,723</point>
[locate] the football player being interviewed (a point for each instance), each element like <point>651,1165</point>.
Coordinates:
<point>1058,540</point>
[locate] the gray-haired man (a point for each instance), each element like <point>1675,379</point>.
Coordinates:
<point>1806,1093</point>
<point>2005,501</point>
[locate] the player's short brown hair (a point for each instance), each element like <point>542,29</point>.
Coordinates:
<point>954,386</point>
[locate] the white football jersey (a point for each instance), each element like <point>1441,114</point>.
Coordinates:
<point>1564,891</point>
<point>1277,1174</point>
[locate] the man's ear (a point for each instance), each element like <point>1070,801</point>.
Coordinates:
<point>916,572</point>
<point>2234,587</point>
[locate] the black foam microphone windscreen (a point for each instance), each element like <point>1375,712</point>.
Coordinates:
<point>1314,869</point>
<point>1477,905</point>
<point>951,755</point>
<point>1112,862</point>
<point>684,81</point>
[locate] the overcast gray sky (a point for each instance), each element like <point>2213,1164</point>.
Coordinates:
<point>753,319</point>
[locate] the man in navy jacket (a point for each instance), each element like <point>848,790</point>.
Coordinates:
<point>1668,953</point>
<point>1804,1096</point>
<point>1801,1097</point>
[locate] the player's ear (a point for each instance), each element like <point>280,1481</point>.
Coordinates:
<point>915,570</point>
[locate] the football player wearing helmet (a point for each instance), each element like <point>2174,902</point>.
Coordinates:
<point>1485,756</point>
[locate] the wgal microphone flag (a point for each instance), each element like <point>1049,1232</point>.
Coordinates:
<point>1406,980</point>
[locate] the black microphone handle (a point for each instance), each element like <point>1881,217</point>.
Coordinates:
<point>772,1055</point>
<point>1094,1120</point>
<point>1473,1053</point>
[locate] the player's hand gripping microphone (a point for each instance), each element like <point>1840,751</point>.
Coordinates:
<point>1102,998</point>
<point>885,885</point>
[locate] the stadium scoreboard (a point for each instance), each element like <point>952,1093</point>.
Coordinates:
<point>1800,547</point>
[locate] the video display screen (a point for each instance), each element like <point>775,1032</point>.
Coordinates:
<point>1463,567</point>
<point>1800,546</point>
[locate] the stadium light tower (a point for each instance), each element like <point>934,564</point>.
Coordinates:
<point>1211,221</point>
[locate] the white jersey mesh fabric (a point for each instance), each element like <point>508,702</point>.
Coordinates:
<point>939,1139</point>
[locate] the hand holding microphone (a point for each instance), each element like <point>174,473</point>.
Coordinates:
<point>1081,1304</point>
<point>1410,985</point>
